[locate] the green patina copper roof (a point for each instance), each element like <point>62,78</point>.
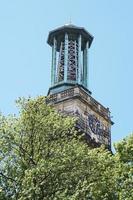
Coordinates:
<point>69,28</point>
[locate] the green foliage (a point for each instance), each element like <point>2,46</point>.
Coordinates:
<point>124,155</point>
<point>43,158</point>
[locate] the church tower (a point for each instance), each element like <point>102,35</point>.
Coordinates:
<point>69,92</point>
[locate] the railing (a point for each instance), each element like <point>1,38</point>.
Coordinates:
<point>79,93</point>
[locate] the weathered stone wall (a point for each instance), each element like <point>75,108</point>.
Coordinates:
<point>93,118</point>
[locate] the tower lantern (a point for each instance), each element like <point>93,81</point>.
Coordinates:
<point>70,46</point>
<point>69,92</point>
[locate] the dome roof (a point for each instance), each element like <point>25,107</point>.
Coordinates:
<point>69,28</point>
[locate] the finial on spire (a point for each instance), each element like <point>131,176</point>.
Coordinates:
<point>70,22</point>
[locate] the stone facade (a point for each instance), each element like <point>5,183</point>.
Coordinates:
<point>93,118</point>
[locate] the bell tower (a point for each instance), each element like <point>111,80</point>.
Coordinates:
<point>70,46</point>
<point>69,92</point>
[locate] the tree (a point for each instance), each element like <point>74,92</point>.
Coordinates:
<point>42,156</point>
<point>124,180</point>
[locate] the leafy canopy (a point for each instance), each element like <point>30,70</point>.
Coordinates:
<point>42,157</point>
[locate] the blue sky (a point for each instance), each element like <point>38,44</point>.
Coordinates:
<point>25,57</point>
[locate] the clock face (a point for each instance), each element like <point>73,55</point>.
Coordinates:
<point>94,125</point>
<point>97,127</point>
